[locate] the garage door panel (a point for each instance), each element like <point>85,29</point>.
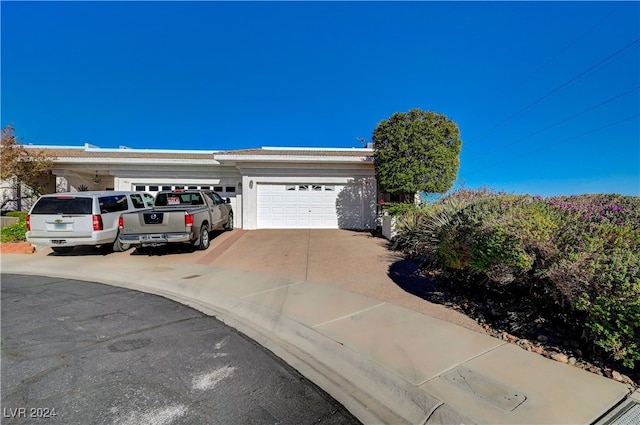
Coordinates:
<point>310,205</point>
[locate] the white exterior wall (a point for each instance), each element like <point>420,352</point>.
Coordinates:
<point>352,172</point>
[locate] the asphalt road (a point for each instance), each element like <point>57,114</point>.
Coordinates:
<point>77,352</point>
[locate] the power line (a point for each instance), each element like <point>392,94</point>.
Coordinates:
<point>557,143</point>
<point>565,48</point>
<point>529,106</point>
<point>584,111</point>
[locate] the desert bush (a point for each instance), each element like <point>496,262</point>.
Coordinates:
<point>582,251</point>
<point>597,268</point>
<point>498,237</point>
<point>421,230</point>
<point>464,196</point>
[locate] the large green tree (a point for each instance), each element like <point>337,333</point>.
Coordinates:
<point>416,151</point>
<point>26,171</point>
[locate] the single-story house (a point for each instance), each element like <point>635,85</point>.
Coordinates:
<point>269,188</point>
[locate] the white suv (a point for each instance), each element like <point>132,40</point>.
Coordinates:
<point>65,220</point>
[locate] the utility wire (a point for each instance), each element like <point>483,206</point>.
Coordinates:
<point>565,48</point>
<point>557,143</point>
<point>526,108</point>
<point>560,122</point>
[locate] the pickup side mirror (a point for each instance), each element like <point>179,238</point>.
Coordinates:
<point>227,200</point>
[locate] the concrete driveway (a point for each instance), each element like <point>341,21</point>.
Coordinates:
<point>354,261</point>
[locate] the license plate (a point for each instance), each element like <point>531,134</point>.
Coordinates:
<point>59,226</point>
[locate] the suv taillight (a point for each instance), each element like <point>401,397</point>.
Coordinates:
<point>97,222</point>
<point>188,219</point>
<point>28,222</point>
<point>120,223</point>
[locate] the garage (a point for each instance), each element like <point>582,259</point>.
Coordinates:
<point>309,206</point>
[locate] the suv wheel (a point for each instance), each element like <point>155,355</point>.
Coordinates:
<point>119,246</point>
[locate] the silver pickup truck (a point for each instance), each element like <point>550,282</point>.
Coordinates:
<point>177,217</point>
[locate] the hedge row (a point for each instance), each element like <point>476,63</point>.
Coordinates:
<point>583,251</point>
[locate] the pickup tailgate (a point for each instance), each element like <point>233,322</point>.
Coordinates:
<point>156,221</point>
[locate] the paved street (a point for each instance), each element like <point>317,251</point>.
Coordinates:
<point>76,352</point>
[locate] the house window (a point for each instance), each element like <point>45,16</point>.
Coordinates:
<point>290,187</point>
<point>231,189</point>
<point>329,188</point>
<point>140,188</point>
<point>166,187</point>
<point>218,188</point>
<point>316,187</point>
<point>193,187</point>
<point>179,187</point>
<point>303,187</point>
<point>153,188</point>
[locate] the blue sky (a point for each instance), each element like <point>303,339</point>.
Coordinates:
<point>546,94</point>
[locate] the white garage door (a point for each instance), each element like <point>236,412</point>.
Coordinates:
<point>309,206</point>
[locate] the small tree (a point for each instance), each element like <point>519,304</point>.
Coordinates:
<point>25,171</point>
<point>416,151</point>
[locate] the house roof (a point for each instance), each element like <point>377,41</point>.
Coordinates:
<point>296,152</point>
<point>64,152</point>
<point>87,151</point>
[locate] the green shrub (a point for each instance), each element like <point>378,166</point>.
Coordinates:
<point>499,237</point>
<point>597,268</point>
<point>420,232</point>
<point>583,251</point>
<point>22,215</point>
<point>14,233</point>
<point>396,209</point>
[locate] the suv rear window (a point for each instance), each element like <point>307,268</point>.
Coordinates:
<point>113,203</point>
<point>63,205</point>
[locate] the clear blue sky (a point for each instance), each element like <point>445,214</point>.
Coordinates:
<point>546,94</point>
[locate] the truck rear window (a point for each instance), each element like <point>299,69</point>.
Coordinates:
<point>62,205</point>
<point>164,199</point>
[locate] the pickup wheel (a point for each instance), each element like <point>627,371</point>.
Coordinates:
<point>229,225</point>
<point>203,240</point>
